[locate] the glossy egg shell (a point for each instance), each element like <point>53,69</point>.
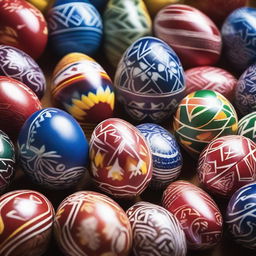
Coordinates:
<point>156,232</point>
<point>7,161</point>
<point>52,148</point>
<point>74,26</point>
<point>201,117</point>
<point>149,80</point>
<point>240,48</point>
<point>167,158</point>
<point>210,78</point>
<point>121,161</point>
<point>245,93</point>
<point>17,103</point>
<point>247,126</point>
<point>17,64</point>
<point>227,164</point>
<point>119,24</point>
<point>198,214</point>
<point>240,216</point>
<point>191,34</point>
<point>26,223</point>
<point>90,223</point>
<point>83,88</point>
<point>23,26</point>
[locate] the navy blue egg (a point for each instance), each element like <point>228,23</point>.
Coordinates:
<point>52,149</point>
<point>150,80</point>
<point>238,34</point>
<point>167,158</point>
<point>74,26</point>
<point>241,216</point>
<point>245,92</point>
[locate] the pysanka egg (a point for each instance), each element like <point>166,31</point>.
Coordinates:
<point>149,80</point>
<point>227,164</point>
<point>201,117</point>
<point>167,158</point>
<point>42,5</point>
<point>23,26</point>
<point>121,28</point>
<point>241,216</point>
<point>52,148</point>
<point>83,88</point>
<point>247,126</point>
<point>26,223</point>
<point>90,223</point>
<point>191,34</point>
<point>121,161</point>
<point>197,213</point>
<point>17,64</point>
<point>74,26</point>
<point>156,232</point>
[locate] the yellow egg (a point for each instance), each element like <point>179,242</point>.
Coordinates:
<point>42,5</point>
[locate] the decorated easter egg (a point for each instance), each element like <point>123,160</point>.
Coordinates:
<point>17,64</point>
<point>23,26</point>
<point>210,78</point>
<point>52,148</point>
<point>26,223</point>
<point>167,158</point>
<point>121,161</point>
<point>227,164</point>
<point>90,223</point>
<point>82,87</point>
<point>197,213</point>
<point>42,5</point>
<point>245,93</point>
<point>7,161</point>
<point>74,26</point>
<point>217,10</point>
<point>149,80</point>
<point>241,216</point>
<point>191,34</point>
<point>156,232</point>
<point>17,103</point>
<point>121,28</point>
<point>247,126</point>
<point>201,117</point>
<point>238,34</point>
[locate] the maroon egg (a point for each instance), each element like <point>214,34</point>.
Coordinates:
<point>26,221</point>
<point>191,34</point>
<point>121,161</point>
<point>23,26</point>
<point>198,214</point>
<point>227,164</point>
<point>210,78</point>
<point>89,223</point>
<point>17,103</point>
<point>156,232</point>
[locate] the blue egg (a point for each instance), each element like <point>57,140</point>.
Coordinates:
<point>241,216</point>
<point>74,26</point>
<point>52,149</point>
<point>167,158</point>
<point>245,92</point>
<point>149,80</point>
<point>238,34</point>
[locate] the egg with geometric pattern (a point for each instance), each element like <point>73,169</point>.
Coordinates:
<point>247,126</point>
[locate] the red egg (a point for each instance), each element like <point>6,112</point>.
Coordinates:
<point>23,26</point>
<point>26,220</point>
<point>191,34</point>
<point>197,213</point>
<point>17,103</point>
<point>227,164</point>
<point>89,223</point>
<point>121,161</point>
<point>210,78</point>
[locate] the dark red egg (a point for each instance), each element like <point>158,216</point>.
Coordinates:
<point>23,26</point>
<point>17,103</point>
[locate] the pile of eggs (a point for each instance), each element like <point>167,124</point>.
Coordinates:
<point>127,127</point>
